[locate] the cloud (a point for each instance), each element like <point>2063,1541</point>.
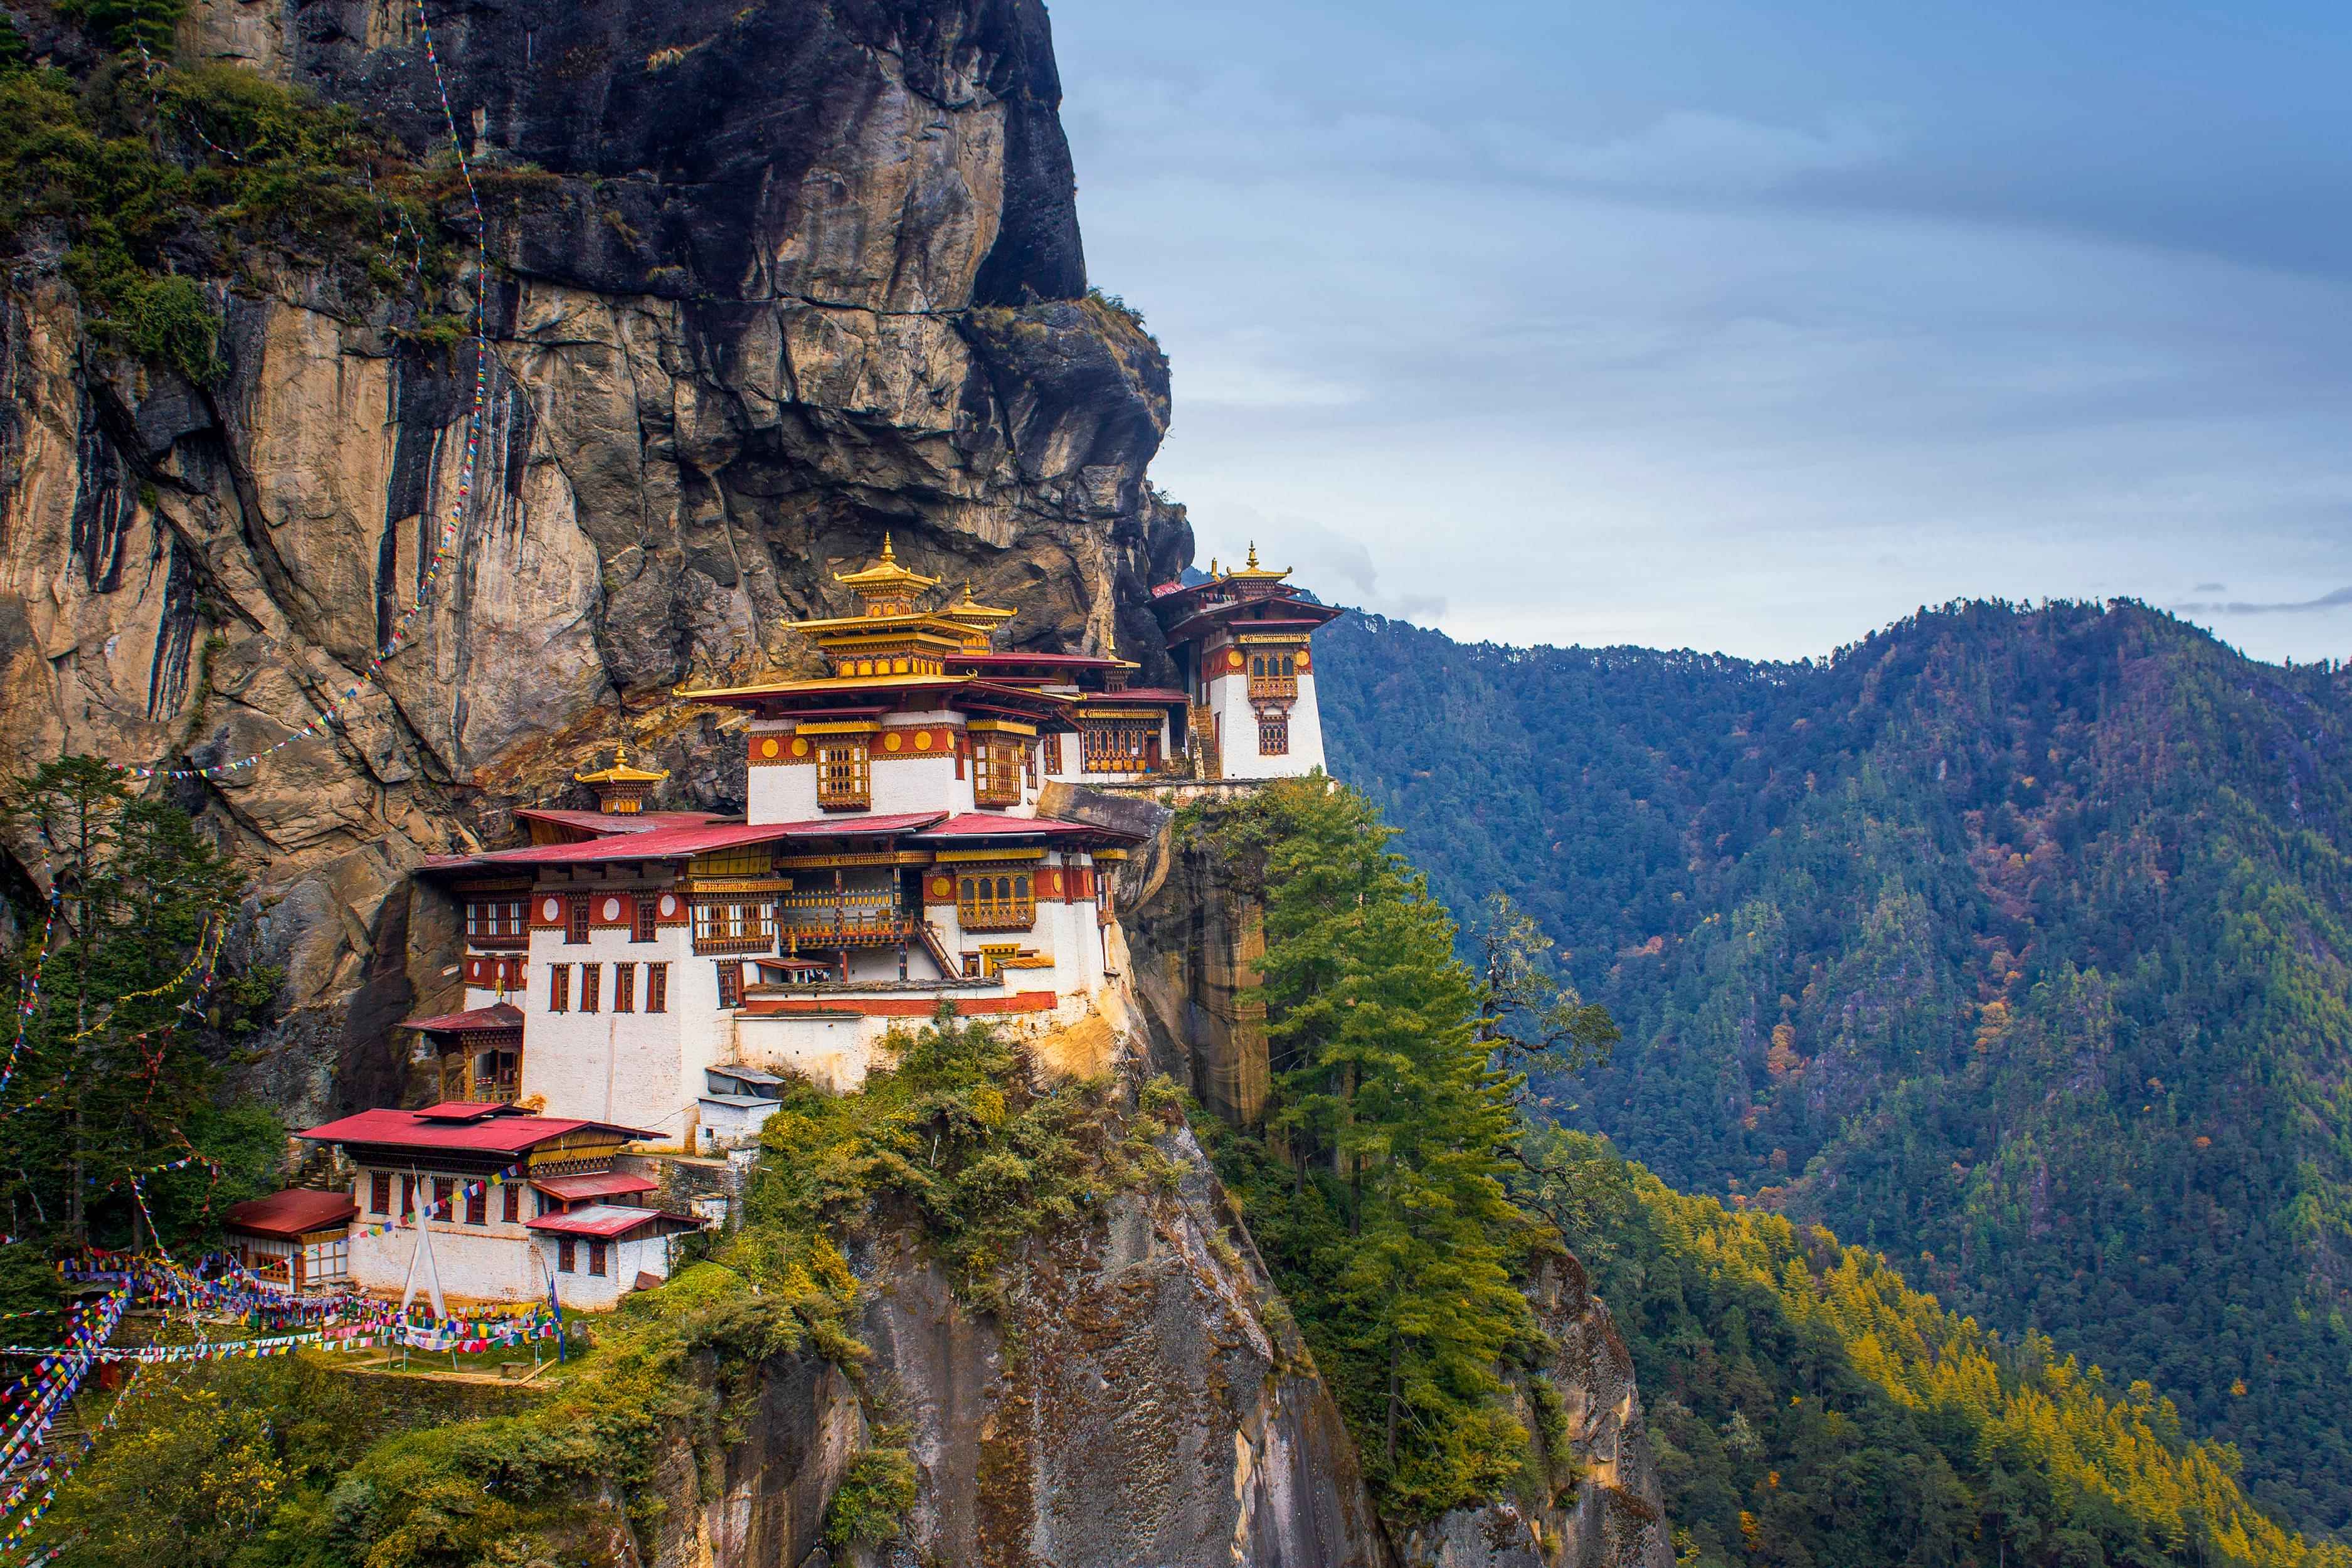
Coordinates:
<point>1694,152</point>
<point>1332,566</point>
<point>2340,599</point>
<point>1582,341</point>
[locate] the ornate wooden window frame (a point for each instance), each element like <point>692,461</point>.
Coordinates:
<point>845,774</point>
<point>991,898</point>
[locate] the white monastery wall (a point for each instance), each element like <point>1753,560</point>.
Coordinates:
<point>623,1261</point>
<point>617,1067</point>
<point>1238,725</point>
<point>480,1263</point>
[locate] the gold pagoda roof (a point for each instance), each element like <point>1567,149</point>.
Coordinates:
<point>971,610</point>
<point>621,772</point>
<point>885,579</point>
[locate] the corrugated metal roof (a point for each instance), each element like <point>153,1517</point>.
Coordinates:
<point>496,1016</point>
<point>492,1135</point>
<point>605,822</point>
<point>740,1101</point>
<point>748,1075</point>
<point>606,1222</point>
<point>1016,660</point>
<point>603,1185</point>
<point>684,842</point>
<point>292,1213</point>
<point>1000,825</point>
<point>1155,694</point>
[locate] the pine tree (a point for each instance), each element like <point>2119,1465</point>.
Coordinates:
<point>119,1059</point>
<point>1400,1240</point>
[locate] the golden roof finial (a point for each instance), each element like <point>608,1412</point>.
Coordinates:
<point>1257,573</point>
<point>1213,566</point>
<point>889,556</point>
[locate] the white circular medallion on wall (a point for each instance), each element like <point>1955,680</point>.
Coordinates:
<point>668,905</point>
<point>612,909</point>
<point>551,910</point>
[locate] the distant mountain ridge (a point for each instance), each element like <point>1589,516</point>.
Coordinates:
<point>2016,942</point>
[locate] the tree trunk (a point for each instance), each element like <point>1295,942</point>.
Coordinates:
<point>1396,1357</point>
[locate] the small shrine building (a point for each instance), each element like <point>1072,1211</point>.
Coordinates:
<point>510,1203</point>
<point>1240,642</point>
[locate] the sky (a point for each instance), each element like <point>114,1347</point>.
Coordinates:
<point>1742,327</point>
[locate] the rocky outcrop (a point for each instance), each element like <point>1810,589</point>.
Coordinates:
<point>768,282</point>
<point>1141,1400</point>
<point>1195,932</point>
<point>1612,1515</point>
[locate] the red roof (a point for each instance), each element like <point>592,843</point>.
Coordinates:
<point>605,1222</point>
<point>757,1006</point>
<point>682,842</point>
<point>998,825</point>
<point>496,1016</point>
<point>468,1110</point>
<point>508,1134</point>
<point>604,1184</point>
<point>1135,694</point>
<point>292,1213</point>
<point>1017,660</point>
<point>608,822</point>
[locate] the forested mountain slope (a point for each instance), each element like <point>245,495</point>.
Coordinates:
<point>1807,1405</point>
<point>2011,941</point>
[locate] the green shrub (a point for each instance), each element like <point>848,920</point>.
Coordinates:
<point>159,175</point>
<point>170,321</point>
<point>871,1504</point>
<point>127,24</point>
<point>953,1136</point>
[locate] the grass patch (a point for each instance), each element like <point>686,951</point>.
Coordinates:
<point>872,1501</point>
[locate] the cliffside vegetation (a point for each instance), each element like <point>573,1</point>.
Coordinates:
<point>1379,1187</point>
<point>280,1465</point>
<point>2017,943</point>
<point>1809,1407</point>
<point>163,181</point>
<point>131,994</point>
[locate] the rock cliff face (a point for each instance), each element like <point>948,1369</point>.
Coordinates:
<point>769,281</point>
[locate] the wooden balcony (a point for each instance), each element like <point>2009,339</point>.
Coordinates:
<point>760,941</point>
<point>996,917</point>
<point>872,918</point>
<point>502,941</point>
<point>1276,687</point>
